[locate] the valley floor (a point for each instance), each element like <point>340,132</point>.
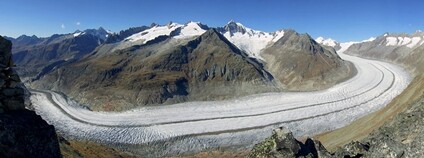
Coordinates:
<point>237,123</point>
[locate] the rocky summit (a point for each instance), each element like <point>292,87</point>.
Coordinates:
<point>300,63</point>
<point>22,132</point>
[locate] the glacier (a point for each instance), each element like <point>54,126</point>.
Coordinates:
<point>241,122</point>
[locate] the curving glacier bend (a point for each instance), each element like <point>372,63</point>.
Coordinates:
<point>239,122</point>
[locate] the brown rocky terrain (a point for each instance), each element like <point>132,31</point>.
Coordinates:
<point>300,63</point>
<point>22,132</point>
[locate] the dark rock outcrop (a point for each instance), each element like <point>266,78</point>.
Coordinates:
<point>282,144</point>
<point>25,134</point>
<point>22,132</point>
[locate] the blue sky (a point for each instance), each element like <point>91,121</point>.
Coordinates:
<point>343,20</point>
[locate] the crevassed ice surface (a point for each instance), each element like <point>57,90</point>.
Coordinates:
<point>244,120</point>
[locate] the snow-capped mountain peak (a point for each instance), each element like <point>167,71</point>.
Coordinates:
<point>172,29</point>
<point>152,33</point>
<point>328,42</point>
<point>247,39</point>
<point>411,41</point>
<point>100,33</point>
<point>233,27</point>
<point>191,29</point>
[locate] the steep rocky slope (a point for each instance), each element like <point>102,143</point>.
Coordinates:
<point>22,132</point>
<point>300,63</point>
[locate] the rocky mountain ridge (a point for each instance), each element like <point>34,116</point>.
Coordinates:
<point>35,56</point>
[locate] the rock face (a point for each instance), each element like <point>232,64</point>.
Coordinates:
<point>22,132</point>
<point>12,91</point>
<point>300,63</point>
<point>282,144</point>
<point>25,134</point>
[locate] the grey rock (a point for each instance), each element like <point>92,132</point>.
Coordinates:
<point>282,144</point>
<point>25,134</point>
<point>9,92</point>
<point>14,104</point>
<point>22,132</point>
<point>2,83</point>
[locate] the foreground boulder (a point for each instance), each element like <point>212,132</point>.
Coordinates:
<point>22,132</point>
<point>282,144</point>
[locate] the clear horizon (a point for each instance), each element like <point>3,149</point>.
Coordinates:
<point>340,20</point>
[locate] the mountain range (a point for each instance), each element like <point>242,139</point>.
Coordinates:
<point>400,48</point>
<point>165,64</point>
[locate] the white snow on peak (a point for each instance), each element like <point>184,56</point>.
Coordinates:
<point>278,35</point>
<point>153,32</point>
<point>414,42</point>
<point>391,41</point>
<point>188,30</point>
<point>422,42</point>
<point>78,34</point>
<point>252,41</point>
<point>191,29</point>
<point>403,41</point>
<point>328,42</point>
<point>344,46</point>
<point>110,32</point>
<point>369,39</point>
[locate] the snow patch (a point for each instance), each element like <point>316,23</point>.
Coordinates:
<point>327,42</point>
<point>391,41</point>
<point>414,42</point>
<point>191,29</point>
<point>369,39</point>
<point>152,33</point>
<point>252,41</point>
<point>277,35</point>
<point>344,46</point>
<point>78,34</point>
